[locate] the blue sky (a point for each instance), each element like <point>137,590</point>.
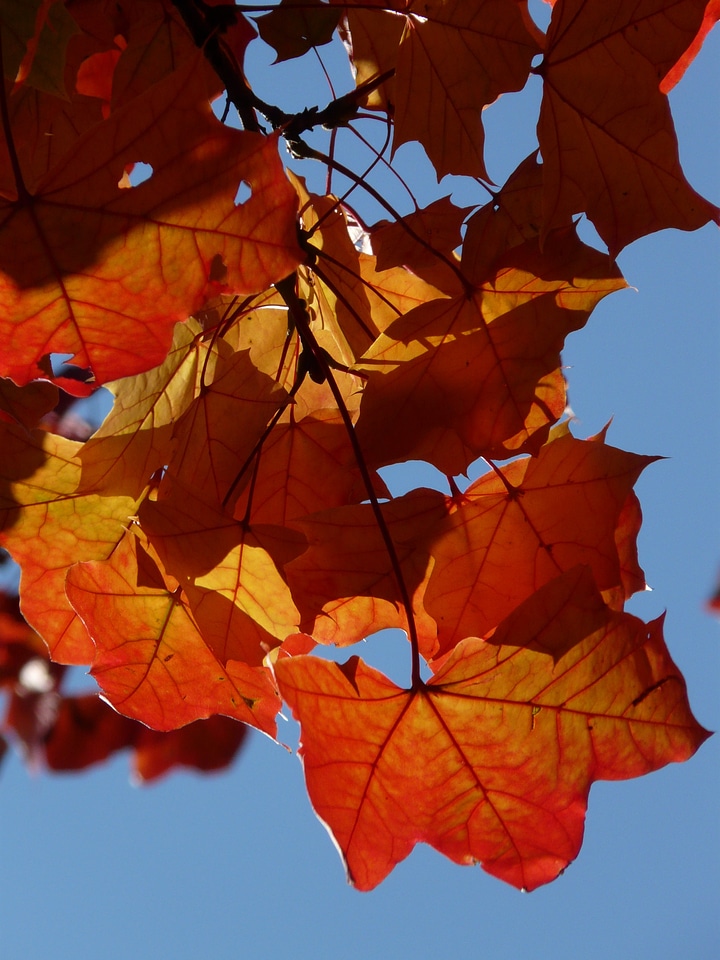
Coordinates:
<point>237,864</point>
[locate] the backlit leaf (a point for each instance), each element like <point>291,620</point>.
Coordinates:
<point>151,661</point>
<point>480,375</point>
<point>344,583</point>
<point>295,26</point>
<point>47,524</point>
<point>454,59</point>
<point>503,542</point>
<point>166,244</point>
<point>605,129</point>
<point>491,761</point>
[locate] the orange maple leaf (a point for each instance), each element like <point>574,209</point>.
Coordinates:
<point>418,239</point>
<point>151,660</point>
<point>517,529</point>
<point>47,523</point>
<point>344,584</point>
<point>222,425</point>
<point>479,375</point>
<point>372,33</point>
<point>308,464</point>
<point>491,760</point>
<point>103,273</point>
<point>446,61</point>
<point>136,437</point>
<point>348,295</point>
<point>228,571</point>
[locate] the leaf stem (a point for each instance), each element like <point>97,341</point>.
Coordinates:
<point>286,289</point>
<point>207,38</point>
<point>303,151</point>
<point>259,445</point>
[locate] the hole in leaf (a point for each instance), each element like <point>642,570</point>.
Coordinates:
<point>588,234</point>
<point>57,360</point>
<point>135,174</point>
<point>140,173</point>
<point>244,192</point>
<point>61,366</point>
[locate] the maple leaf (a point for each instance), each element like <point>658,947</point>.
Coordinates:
<point>136,438</point>
<point>230,513</point>
<point>372,34</point>
<point>513,218</point>
<point>455,58</point>
<point>151,661</point>
<point>297,452</point>
<point>222,425</point>
<point>605,129</point>
<point>479,374</point>
<point>61,732</point>
<point>154,46</point>
<point>675,74</point>
<point>228,570</point>
<point>295,26</point>
<point>47,523</point>
<point>344,582</point>
<point>417,239</point>
<point>45,125</point>
<point>86,731</point>
<point>44,128</point>
<point>95,77</point>
<point>143,258</point>
<point>26,405</point>
<point>37,50</point>
<point>348,293</point>
<point>18,22</point>
<point>448,60</point>
<point>516,529</point>
<point>491,761</point>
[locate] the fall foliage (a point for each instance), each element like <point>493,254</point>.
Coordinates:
<point>269,351</point>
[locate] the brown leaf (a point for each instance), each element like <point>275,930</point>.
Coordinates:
<point>453,60</point>
<point>480,375</point>
<point>605,130</point>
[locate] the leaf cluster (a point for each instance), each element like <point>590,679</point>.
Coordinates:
<point>270,352</point>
